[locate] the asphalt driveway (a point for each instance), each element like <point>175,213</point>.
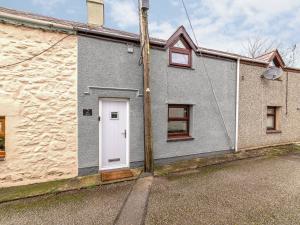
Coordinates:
<point>254,191</point>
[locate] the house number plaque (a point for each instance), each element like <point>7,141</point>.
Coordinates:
<point>87,112</point>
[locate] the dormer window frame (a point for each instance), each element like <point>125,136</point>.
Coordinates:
<point>276,63</point>
<point>185,51</point>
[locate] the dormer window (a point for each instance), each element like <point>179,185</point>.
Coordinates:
<point>180,54</point>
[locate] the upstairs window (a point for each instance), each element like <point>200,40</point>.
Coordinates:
<point>178,121</point>
<point>2,137</point>
<point>180,54</point>
<point>272,64</point>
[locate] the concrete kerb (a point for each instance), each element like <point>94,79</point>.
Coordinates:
<point>134,209</point>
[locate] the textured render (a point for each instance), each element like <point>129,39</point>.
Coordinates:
<point>38,99</point>
<point>255,95</point>
<point>191,86</point>
<point>108,64</point>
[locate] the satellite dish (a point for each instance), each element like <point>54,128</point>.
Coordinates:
<point>272,73</point>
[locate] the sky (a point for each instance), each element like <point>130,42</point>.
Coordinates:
<point>219,24</point>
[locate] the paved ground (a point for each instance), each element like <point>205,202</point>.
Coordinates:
<point>92,206</point>
<point>254,191</point>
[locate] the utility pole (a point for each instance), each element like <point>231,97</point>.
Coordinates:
<point>145,45</point>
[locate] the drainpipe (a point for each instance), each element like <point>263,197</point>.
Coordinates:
<point>238,59</point>
<point>237,104</point>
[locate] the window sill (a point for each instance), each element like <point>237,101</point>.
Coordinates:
<point>181,67</point>
<point>273,132</point>
<point>173,139</point>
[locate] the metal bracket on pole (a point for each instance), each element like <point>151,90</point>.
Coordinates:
<point>144,4</point>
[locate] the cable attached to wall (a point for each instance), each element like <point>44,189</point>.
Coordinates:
<point>36,55</point>
<point>209,79</point>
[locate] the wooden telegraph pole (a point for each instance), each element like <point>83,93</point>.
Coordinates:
<point>145,45</point>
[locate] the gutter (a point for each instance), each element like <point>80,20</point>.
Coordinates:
<point>34,23</point>
<point>115,36</point>
<point>231,56</point>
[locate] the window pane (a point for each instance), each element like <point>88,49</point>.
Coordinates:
<point>177,127</point>
<point>114,115</point>
<point>180,58</point>
<point>177,112</point>
<point>2,134</point>
<point>2,127</point>
<point>2,143</point>
<point>179,44</point>
<point>270,122</point>
<point>271,110</point>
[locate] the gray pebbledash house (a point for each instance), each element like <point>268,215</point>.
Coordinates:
<point>193,99</point>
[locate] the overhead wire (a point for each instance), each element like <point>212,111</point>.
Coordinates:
<point>207,75</point>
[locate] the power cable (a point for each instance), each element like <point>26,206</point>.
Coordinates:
<point>207,75</point>
<point>188,17</point>
<point>36,55</point>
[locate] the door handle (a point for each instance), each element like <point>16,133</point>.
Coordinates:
<point>125,133</point>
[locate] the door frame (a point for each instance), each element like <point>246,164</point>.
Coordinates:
<point>127,130</point>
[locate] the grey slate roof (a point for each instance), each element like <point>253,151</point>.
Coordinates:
<point>78,26</point>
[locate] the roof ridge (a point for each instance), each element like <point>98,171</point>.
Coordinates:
<point>266,53</point>
<point>102,29</point>
<point>68,22</point>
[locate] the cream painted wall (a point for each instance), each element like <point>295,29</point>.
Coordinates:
<point>38,99</point>
<point>255,95</point>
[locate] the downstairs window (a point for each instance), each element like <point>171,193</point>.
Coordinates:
<point>178,121</point>
<point>2,137</point>
<point>272,119</point>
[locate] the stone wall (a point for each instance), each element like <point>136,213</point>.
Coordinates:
<point>255,95</point>
<point>38,99</point>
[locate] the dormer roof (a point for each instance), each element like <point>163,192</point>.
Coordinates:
<point>273,56</point>
<point>181,33</point>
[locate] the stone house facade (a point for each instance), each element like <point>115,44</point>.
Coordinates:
<point>38,103</point>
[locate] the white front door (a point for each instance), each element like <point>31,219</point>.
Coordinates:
<point>114,133</point>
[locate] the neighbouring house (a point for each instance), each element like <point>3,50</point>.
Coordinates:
<point>38,100</point>
<point>269,110</point>
<point>71,98</point>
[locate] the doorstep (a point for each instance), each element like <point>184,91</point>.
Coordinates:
<point>119,175</point>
